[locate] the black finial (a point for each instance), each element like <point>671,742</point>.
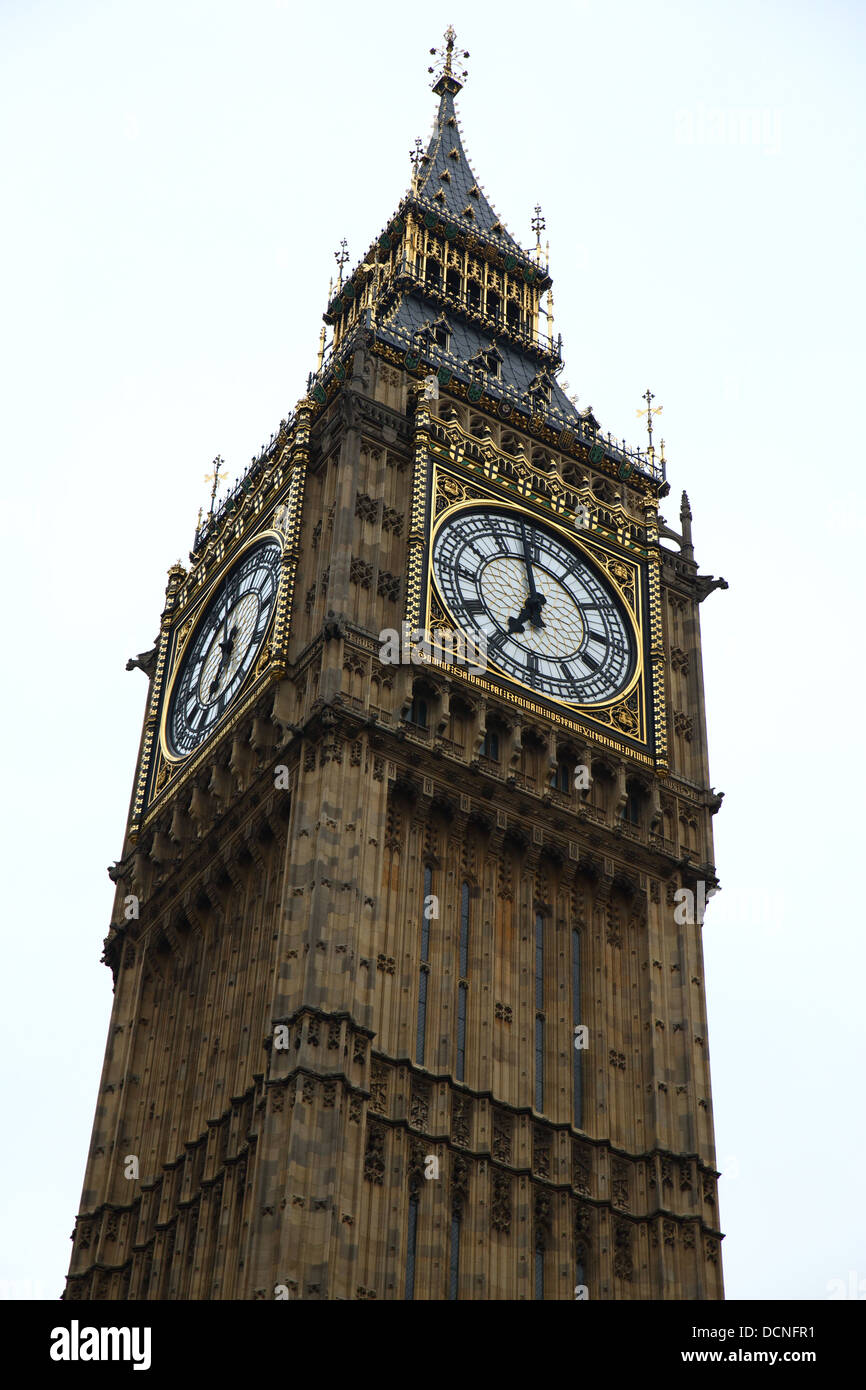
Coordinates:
<point>341,258</point>
<point>538,225</point>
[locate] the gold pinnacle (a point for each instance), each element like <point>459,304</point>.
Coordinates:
<point>650,411</point>
<point>216,477</point>
<point>446,55</point>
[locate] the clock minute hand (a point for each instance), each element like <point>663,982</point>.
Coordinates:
<point>532,607</point>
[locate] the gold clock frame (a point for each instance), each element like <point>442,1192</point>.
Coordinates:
<point>188,630</point>
<point>627,598</point>
<point>626,715</point>
<point>280,488</point>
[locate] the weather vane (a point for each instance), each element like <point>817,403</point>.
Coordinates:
<point>651,410</point>
<point>446,55</point>
<point>341,258</point>
<point>216,477</point>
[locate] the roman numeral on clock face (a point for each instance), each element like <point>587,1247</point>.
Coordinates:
<point>474,606</point>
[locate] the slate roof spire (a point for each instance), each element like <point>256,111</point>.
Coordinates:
<point>445,178</point>
<point>447,289</point>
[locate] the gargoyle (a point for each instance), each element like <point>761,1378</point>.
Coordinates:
<point>145,661</point>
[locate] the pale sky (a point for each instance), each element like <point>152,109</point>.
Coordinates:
<point>176,177</point>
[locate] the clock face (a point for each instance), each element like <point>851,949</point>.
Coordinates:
<point>224,646</point>
<point>550,620</point>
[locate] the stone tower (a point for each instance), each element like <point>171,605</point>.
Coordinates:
<point>406,946</point>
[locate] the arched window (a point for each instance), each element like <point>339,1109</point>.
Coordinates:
<point>460,713</point>
<point>539,1012</point>
<point>600,787</point>
<point>563,777</point>
<point>440,330</point>
<point>530,760</point>
<point>418,710</point>
<point>492,362</point>
<point>633,809</point>
<point>490,745</point>
<point>463,985</point>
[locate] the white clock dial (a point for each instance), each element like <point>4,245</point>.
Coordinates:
<point>549,617</point>
<point>224,646</point>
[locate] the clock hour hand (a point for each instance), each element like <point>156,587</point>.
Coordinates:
<point>226,650</point>
<point>531,610</point>
<point>517,624</point>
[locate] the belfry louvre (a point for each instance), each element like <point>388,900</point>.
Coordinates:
<point>409,990</point>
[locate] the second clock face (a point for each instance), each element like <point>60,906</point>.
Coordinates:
<point>224,646</point>
<point>549,618</point>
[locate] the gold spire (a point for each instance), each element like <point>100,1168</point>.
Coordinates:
<point>216,477</point>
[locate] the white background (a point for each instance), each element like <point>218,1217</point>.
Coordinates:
<point>175,179</point>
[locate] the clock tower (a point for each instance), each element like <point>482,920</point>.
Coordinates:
<point>408,980</point>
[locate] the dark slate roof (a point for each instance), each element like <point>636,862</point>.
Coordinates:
<point>518,369</point>
<point>526,376</point>
<point>461,188</point>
